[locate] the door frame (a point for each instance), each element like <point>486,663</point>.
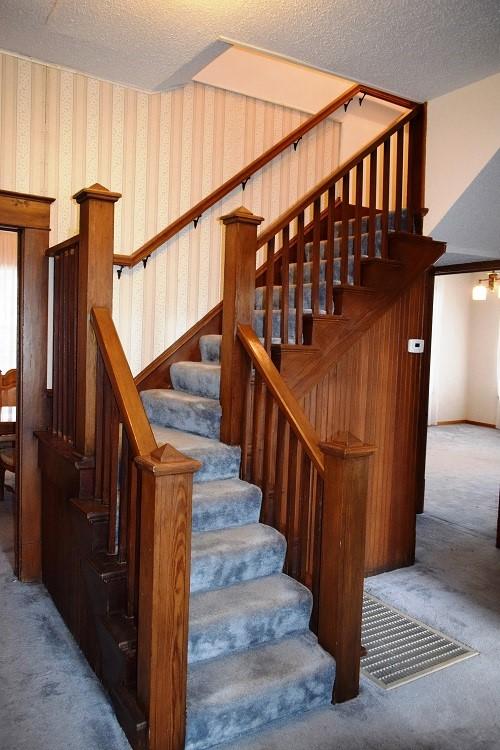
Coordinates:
<point>479,266</point>
<point>29,216</point>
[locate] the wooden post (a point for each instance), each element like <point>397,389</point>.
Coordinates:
<point>95,289</point>
<point>238,307</point>
<point>342,568</point>
<point>164,574</point>
<point>416,172</point>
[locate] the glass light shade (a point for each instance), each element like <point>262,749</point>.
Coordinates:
<point>479,292</point>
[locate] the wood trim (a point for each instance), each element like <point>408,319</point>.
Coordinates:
<point>244,174</point>
<point>125,391</point>
<point>61,246</point>
<point>423,415</point>
<point>282,394</point>
<point>464,421</point>
<point>332,178</point>
<point>480,265</point>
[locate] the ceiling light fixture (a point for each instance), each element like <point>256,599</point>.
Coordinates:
<point>483,286</point>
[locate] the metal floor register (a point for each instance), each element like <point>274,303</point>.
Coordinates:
<point>401,649</point>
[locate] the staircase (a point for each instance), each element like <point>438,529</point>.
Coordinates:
<point>221,542</point>
<point>252,658</point>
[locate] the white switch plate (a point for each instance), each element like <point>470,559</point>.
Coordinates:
<point>416,346</point>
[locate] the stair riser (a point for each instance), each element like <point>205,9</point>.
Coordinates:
<point>200,380</point>
<point>260,297</point>
<point>201,418</point>
<point>337,246</point>
<point>247,632</point>
<point>215,509</point>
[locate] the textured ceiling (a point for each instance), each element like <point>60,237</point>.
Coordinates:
<point>472,225</point>
<point>418,49</point>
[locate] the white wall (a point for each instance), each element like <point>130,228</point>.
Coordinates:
<point>465,342</point>
<point>463,133</point>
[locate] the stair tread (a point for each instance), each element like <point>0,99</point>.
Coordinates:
<point>245,614</point>
<point>227,457</point>
<point>225,556</point>
<point>197,378</point>
<point>234,694</point>
<point>182,410</point>
<point>224,503</point>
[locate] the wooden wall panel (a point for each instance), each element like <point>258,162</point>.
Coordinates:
<point>373,391</point>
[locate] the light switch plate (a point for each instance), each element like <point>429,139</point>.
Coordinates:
<point>416,346</point>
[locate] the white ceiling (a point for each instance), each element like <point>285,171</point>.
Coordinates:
<point>418,49</point>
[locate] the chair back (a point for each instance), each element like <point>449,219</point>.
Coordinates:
<point>8,388</point>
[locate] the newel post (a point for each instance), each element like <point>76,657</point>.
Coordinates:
<point>95,289</point>
<point>343,558</point>
<point>237,307</point>
<point>416,171</point>
<point>163,607</point>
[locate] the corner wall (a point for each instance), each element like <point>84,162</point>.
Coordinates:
<point>61,131</point>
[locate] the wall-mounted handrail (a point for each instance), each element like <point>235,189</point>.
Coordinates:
<point>194,213</point>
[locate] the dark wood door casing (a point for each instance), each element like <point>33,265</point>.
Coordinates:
<point>29,215</point>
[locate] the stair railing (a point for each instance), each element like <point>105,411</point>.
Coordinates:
<point>194,214</point>
<point>148,492</point>
<point>315,495</point>
<point>346,216</point>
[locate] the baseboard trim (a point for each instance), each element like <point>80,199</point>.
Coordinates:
<point>466,421</point>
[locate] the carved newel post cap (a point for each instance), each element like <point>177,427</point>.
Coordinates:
<point>98,192</point>
<point>241,215</point>
<point>347,445</point>
<point>168,460</point>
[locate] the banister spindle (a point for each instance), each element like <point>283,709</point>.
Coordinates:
<point>385,195</point>
<point>357,224</point>
<point>372,204</point>
<point>344,242</point>
<point>285,284</point>
<point>299,280</point>
<point>269,296</point>
<point>316,257</point>
<point>399,179</point>
<point>330,250</point>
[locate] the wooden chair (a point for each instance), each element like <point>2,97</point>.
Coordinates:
<point>7,442</point>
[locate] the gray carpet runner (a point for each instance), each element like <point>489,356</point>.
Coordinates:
<point>252,657</point>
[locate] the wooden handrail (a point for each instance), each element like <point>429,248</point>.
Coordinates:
<point>244,174</point>
<point>125,391</point>
<point>61,246</point>
<point>332,178</point>
<point>282,394</point>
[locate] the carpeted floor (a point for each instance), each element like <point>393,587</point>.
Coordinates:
<point>50,700</point>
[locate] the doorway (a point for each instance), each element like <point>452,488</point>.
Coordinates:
<point>462,475</point>
<point>8,386</point>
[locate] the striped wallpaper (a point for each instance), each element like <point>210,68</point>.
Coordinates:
<point>61,131</point>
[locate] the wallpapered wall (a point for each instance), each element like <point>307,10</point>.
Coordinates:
<point>61,131</point>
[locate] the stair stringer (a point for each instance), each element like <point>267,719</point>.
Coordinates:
<point>410,256</point>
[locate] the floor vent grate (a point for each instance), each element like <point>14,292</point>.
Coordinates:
<point>400,649</point>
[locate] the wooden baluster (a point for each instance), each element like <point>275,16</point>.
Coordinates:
<point>64,344</point>
<point>238,307</point>
<point>56,342</point>
<point>269,295</point>
<point>132,536</point>
<point>343,532</point>
<point>95,289</point>
<point>385,195</point>
<point>257,427</point>
<point>304,516</point>
<point>316,256</point>
<point>163,612</point>
<point>114,436</point>
<point>372,222</point>
<point>106,440</point>
<point>278,520</point>
<point>399,179</point>
<point>357,224</point>
<point>285,284</point>
<point>292,557</point>
<point>72,343</point>
<point>330,251</point>
<point>246,433</point>
<point>100,427</point>
<point>318,515</point>
<point>299,280</point>
<point>269,449</point>
<point>344,242</point>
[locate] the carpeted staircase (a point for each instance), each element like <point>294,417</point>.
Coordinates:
<point>252,657</point>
